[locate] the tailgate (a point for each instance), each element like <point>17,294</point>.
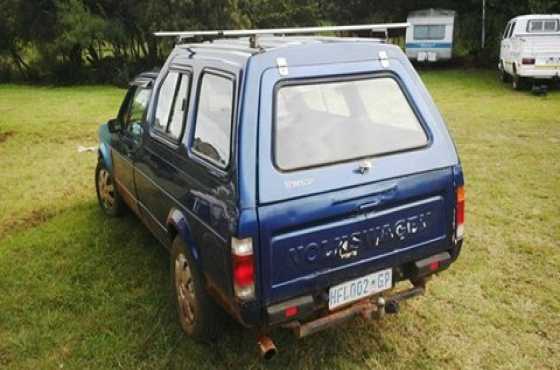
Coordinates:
<point>310,244</point>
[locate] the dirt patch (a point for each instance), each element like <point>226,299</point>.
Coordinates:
<point>5,135</point>
<point>31,220</point>
<point>5,358</point>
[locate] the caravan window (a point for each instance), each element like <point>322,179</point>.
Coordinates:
<point>429,32</point>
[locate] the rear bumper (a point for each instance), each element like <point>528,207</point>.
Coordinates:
<point>368,309</point>
<point>312,310</point>
<point>540,72</point>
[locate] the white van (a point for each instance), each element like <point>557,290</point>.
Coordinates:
<point>430,35</point>
<point>530,49</point>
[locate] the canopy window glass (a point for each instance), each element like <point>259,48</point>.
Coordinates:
<point>330,122</point>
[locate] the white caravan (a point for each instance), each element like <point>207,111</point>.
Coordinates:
<point>430,35</point>
<point>530,49</point>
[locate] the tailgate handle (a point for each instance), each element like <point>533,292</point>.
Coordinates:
<point>369,205</point>
<point>380,196</point>
<point>376,197</point>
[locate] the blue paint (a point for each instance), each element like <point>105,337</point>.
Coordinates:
<point>429,45</point>
<point>173,189</point>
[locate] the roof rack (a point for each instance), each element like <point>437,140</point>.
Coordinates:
<point>253,33</point>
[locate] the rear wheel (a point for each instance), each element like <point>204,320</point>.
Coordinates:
<point>107,195</point>
<point>199,316</point>
<point>519,83</point>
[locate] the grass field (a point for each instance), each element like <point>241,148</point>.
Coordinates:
<point>80,291</point>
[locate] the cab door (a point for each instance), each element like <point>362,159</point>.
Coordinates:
<point>127,143</point>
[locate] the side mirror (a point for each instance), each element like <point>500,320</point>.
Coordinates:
<point>114,125</point>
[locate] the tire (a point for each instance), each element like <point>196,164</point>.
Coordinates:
<point>504,76</point>
<point>199,316</point>
<point>108,197</point>
<point>517,82</point>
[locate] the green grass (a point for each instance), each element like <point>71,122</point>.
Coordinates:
<point>80,291</point>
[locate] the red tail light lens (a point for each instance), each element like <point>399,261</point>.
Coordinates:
<point>291,312</point>
<point>528,61</point>
<point>243,268</point>
<point>434,266</point>
<point>460,213</point>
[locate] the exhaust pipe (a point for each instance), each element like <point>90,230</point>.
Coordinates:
<point>266,347</point>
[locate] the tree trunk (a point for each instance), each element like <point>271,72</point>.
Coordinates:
<point>20,63</point>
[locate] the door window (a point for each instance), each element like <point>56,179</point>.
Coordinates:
<point>212,135</point>
<point>134,117</point>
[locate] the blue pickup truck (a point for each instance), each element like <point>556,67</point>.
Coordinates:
<point>294,180</point>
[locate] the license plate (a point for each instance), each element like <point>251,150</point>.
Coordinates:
<point>354,290</point>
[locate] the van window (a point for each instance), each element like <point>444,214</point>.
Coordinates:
<point>511,29</point>
<point>507,31</point>
<point>212,136</point>
<point>370,117</point>
<point>172,104</point>
<point>135,114</point>
<point>543,25</point>
<point>175,126</point>
<point>165,100</point>
<point>429,32</point>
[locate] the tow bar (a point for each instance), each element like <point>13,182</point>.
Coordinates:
<point>369,309</point>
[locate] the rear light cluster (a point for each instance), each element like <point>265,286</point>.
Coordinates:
<point>434,266</point>
<point>460,213</point>
<point>528,61</point>
<point>243,268</point>
<point>291,312</point>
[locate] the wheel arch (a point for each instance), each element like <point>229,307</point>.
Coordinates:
<point>178,225</point>
<point>104,155</point>
<point>104,151</point>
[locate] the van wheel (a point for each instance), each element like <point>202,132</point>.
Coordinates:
<point>199,315</point>
<point>504,76</point>
<point>108,197</point>
<point>519,83</point>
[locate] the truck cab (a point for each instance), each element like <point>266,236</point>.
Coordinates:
<point>530,50</point>
<point>296,181</point>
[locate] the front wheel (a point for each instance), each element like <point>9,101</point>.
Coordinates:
<point>504,76</point>
<point>109,199</point>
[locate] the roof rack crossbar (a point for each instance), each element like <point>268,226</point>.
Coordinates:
<point>383,27</point>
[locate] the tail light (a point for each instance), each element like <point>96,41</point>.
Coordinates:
<point>460,213</point>
<point>528,61</point>
<point>243,268</point>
